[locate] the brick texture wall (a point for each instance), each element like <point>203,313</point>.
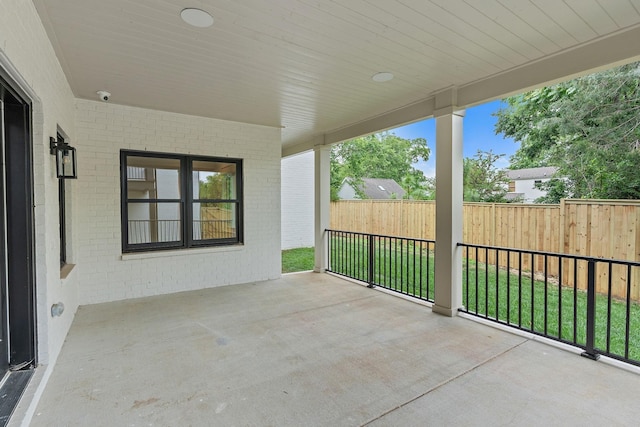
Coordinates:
<point>99,131</point>
<point>297,201</point>
<point>27,56</point>
<point>102,131</point>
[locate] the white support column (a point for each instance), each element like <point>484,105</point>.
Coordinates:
<point>322,170</point>
<point>448,259</point>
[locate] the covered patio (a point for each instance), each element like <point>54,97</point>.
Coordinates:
<point>316,350</point>
<point>118,329</point>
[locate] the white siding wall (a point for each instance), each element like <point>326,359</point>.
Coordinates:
<point>347,192</point>
<point>26,53</point>
<point>527,186</point>
<point>103,130</point>
<point>297,201</point>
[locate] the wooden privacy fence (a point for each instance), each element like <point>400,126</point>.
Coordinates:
<point>592,228</point>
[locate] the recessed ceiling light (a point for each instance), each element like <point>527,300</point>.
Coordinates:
<point>196,17</point>
<point>382,77</point>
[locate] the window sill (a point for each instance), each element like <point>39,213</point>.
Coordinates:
<point>180,252</point>
<point>65,270</point>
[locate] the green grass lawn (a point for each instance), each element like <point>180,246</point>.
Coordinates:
<point>300,259</point>
<point>408,268</point>
<point>549,309</point>
<point>402,267</point>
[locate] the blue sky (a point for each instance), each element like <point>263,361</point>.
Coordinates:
<point>478,133</point>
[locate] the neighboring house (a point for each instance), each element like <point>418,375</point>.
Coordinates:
<point>371,188</point>
<point>297,201</point>
<point>522,183</point>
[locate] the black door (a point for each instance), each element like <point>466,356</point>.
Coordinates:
<point>4,348</point>
<point>17,316</point>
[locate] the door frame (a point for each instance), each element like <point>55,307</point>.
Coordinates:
<point>20,239</point>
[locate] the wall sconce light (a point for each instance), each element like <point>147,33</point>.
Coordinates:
<point>66,166</point>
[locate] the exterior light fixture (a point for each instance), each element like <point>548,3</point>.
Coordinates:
<point>196,17</point>
<point>382,77</point>
<point>66,165</point>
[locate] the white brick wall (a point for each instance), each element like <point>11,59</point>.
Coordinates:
<point>26,54</point>
<point>297,201</point>
<point>100,275</point>
<point>102,131</point>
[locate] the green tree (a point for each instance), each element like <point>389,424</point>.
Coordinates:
<point>382,155</point>
<point>482,180</point>
<point>588,127</point>
<point>555,189</point>
<point>215,186</point>
<point>417,187</point>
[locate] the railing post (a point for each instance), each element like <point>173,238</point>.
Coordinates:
<point>328,233</point>
<point>371,261</point>
<point>591,312</point>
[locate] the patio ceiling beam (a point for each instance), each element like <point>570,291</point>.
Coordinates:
<point>292,150</point>
<point>616,49</point>
<point>408,114</point>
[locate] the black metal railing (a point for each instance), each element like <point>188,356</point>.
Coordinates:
<point>170,230</point>
<point>156,230</point>
<point>591,303</point>
<point>135,173</point>
<point>399,264</point>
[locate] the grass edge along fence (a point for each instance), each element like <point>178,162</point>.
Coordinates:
<point>608,229</point>
<point>535,303</point>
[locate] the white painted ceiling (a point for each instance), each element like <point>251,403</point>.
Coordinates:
<point>306,65</point>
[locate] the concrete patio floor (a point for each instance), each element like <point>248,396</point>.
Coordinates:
<point>315,350</point>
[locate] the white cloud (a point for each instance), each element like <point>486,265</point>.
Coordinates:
<point>428,167</point>
<point>502,163</point>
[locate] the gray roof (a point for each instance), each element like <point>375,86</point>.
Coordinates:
<point>380,188</point>
<point>532,173</point>
<point>514,196</point>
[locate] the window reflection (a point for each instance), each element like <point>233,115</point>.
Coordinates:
<point>154,222</point>
<point>153,178</point>
<point>214,180</point>
<point>214,221</point>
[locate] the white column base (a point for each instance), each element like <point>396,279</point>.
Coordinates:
<point>445,311</point>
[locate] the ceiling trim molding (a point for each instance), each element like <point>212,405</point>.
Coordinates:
<point>404,115</point>
<point>401,116</point>
<point>607,52</point>
<point>292,150</point>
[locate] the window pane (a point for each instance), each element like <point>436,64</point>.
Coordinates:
<point>153,178</point>
<point>214,180</point>
<point>154,222</point>
<point>214,221</point>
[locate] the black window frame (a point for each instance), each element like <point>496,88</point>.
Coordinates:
<point>186,202</point>
<point>62,215</point>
